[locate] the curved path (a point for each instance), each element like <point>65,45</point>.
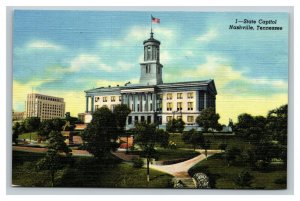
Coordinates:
<point>181,169</point>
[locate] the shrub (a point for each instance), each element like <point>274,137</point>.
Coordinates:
<point>262,165</point>
<point>172,145</point>
<point>202,180</point>
<point>137,162</point>
<point>243,179</point>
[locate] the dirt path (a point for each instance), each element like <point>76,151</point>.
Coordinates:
<point>181,169</point>
<point>42,150</point>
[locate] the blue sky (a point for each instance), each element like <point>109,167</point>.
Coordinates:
<point>63,53</point>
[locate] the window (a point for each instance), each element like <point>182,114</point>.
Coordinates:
<point>190,105</point>
<point>159,108</point>
<point>179,95</point>
<point>169,118</point>
<point>190,95</point>
<point>190,119</point>
<point>179,106</point>
<point>120,98</point>
<point>129,119</point>
<point>138,107</point>
<point>148,119</point>
<point>96,107</point>
<point>142,118</point>
<point>136,119</point>
<point>169,106</point>
<point>105,99</point>
<point>169,96</point>
<point>113,99</point>
<point>151,107</point>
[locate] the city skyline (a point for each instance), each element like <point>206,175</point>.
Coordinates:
<point>63,53</point>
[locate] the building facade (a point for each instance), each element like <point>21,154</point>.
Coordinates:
<point>45,107</point>
<point>152,100</point>
<point>18,116</point>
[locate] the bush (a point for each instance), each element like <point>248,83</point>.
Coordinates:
<point>202,180</point>
<point>172,145</point>
<point>243,179</point>
<point>262,165</point>
<point>137,162</point>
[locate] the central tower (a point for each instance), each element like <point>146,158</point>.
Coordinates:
<point>151,69</point>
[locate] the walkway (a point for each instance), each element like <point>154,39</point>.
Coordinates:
<point>180,170</point>
<point>43,150</point>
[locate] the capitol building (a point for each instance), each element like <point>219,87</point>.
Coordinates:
<point>152,100</point>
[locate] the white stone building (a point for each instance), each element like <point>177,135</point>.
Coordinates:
<point>152,100</point>
<point>45,107</point>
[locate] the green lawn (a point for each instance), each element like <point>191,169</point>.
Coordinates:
<point>34,136</point>
<point>86,172</point>
<point>172,154</point>
<point>231,141</point>
<point>224,176</point>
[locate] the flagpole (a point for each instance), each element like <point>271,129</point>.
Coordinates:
<point>151,23</point>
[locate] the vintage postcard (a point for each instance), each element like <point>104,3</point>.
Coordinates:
<point>136,99</point>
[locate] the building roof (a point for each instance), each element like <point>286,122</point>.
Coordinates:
<point>151,39</point>
<point>174,86</point>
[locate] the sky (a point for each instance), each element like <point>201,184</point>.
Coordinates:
<point>63,53</point>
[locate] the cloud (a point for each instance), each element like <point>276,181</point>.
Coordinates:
<point>136,34</point>
<point>42,44</point>
<point>237,92</point>
<point>208,36</point>
<point>124,66</point>
<point>86,62</point>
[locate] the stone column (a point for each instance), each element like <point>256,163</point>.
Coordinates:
<point>87,104</point>
<point>205,100</point>
<point>92,104</point>
<point>147,102</point>
<point>133,97</point>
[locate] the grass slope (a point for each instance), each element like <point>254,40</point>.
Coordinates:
<point>224,175</point>
<point>85,172</point>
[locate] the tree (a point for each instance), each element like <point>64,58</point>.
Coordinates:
<point>208,119</point>
<point>16,132</point>
<point>251,128</point>
<point>121,112</point>
<point>196,138</point>
<point>32,124</point>
<point>205,144</point>
<point>179,125</point>
<point>101,133</point>
<point>231,155</point>
<point>49,125</point>
<point>163,138</point>
<point>175,126</point>
<point>277,120</point>
<point>146,137</point>
<point>53,161</point>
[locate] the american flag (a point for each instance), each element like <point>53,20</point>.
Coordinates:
<point>155,20</point>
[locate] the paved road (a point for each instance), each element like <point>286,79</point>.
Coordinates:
<point>181,169</point>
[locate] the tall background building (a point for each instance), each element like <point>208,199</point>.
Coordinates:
<point>45,107</point>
